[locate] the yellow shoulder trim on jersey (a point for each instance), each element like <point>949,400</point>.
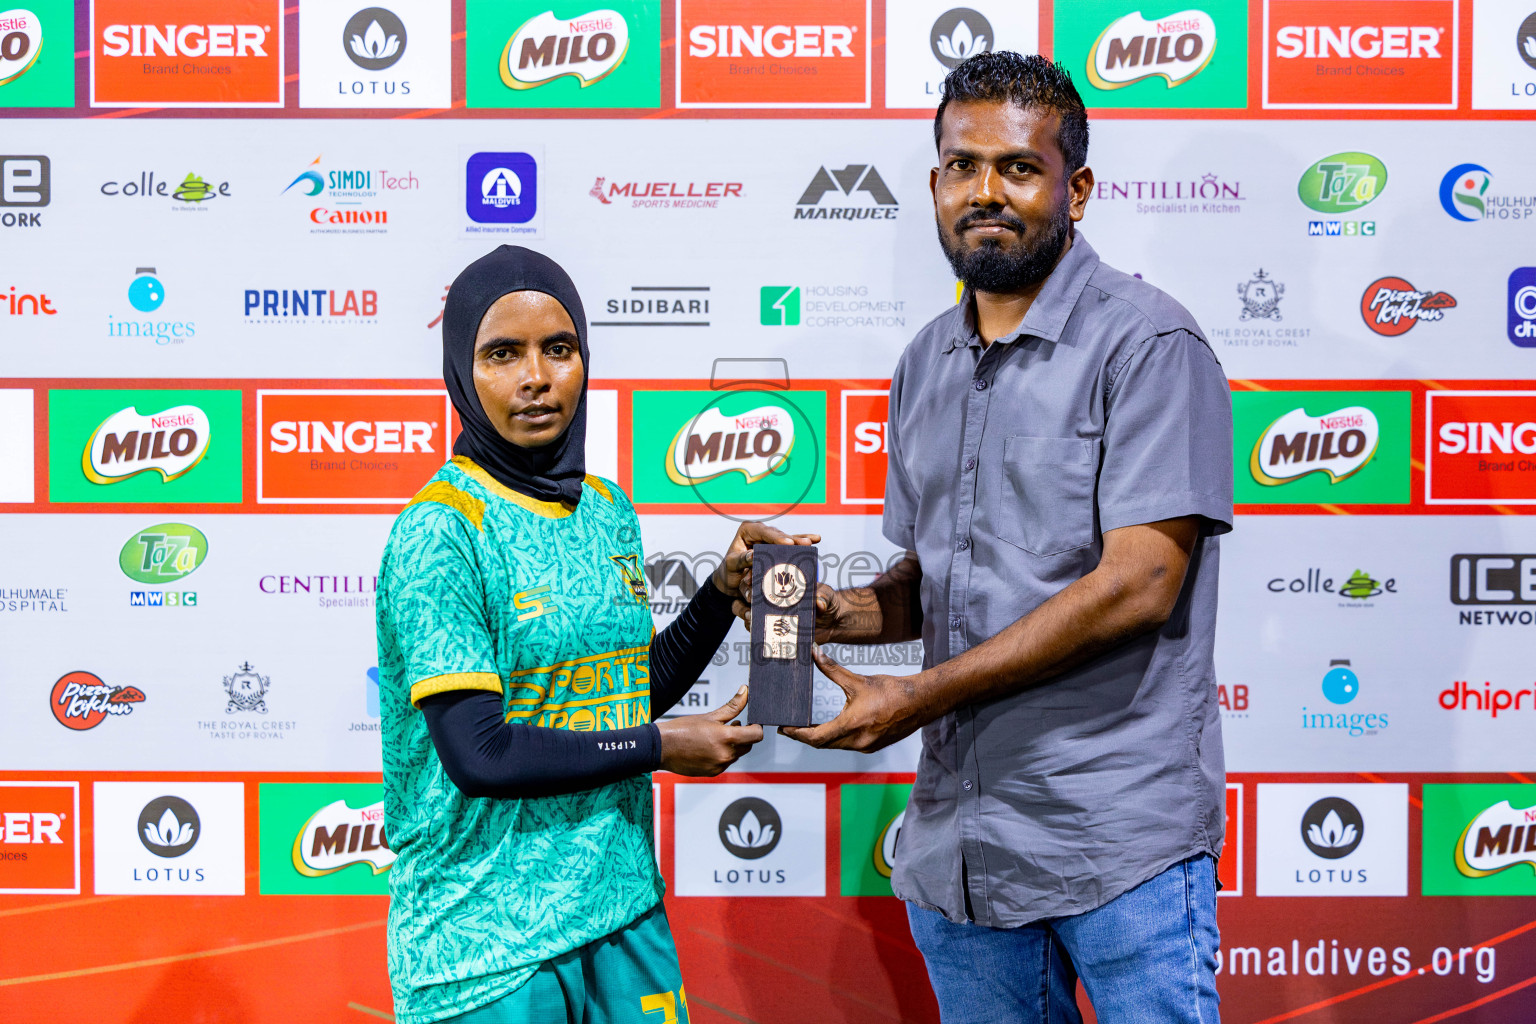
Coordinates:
<point>444,493</point>
<point>598,486</point>
<point>455,681</point>
<point>547,509</point>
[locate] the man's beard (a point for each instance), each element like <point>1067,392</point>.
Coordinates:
<point>991,267</point>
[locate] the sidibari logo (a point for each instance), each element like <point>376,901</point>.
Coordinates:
<point>169,826</point>
<point>1339,444</point>
<point>588,48</point>
<point>161,554</point>
<point>1133,48</point>
<point>885,845</point>
<point>754,443</point>
<point>1498,838</point>
<point>127,443</point>
<point>1342,183</point>
<point>1391,306</point>
<point>338,836</point>
<point>21,40</point>
<point>80,700</point>
<point>750,828</point>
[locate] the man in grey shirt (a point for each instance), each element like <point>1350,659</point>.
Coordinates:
<point>1060,469</point>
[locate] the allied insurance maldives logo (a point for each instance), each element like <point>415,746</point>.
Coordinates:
<point>186,53</point>
<point>1323,447</point>
<point>791,53</point>
<point>1361,54</point>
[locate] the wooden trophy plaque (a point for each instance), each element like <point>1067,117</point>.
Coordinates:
<point>783,628</point>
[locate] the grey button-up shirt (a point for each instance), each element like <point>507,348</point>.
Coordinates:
<point>1008,464</point>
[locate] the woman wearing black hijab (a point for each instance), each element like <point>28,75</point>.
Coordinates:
<point>520,679</point>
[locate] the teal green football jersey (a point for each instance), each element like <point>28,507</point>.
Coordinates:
<point>483,588</point>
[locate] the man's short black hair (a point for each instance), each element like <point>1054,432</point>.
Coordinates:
<point>1028,80</point>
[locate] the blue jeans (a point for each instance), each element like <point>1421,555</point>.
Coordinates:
<point>1146,957</point>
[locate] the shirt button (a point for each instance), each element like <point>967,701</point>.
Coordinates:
<point>954,622</point>
<point>967,785</point>
<point>963,544</point>
<point>970,464</point>
<point>979,385</point>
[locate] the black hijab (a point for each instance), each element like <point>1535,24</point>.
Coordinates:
<point>551,473</point>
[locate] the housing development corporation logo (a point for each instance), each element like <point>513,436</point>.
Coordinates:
<point>1391,306</point>
<point>856,181</point>
<point>1360,54</point>
<point>1133,48</point>
<point>1338,444</point>
<point>794,53</point>
<point>80,700</point>
<point>1324,447</point>
<point>1481,447</point>
<point>171,53</point>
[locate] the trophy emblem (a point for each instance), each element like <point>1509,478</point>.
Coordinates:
<point>783,627</point>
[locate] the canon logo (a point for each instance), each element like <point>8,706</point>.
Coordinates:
<point>401,437</point>
<point>772,41</point>
<point>184,40</point>
<point>1486,438</point>
<point>1389,42</point>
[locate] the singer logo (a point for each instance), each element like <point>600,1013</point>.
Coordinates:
<point>1338,444</point>
<point>338,836</point>
<point>753,443</point>
<point>806,53</point>
<point>1360,53</point>
<point>864,446</point>
<point>349,447</point>
<point>166,53</point>
<point>1482,448</point>
<point>545,47</point>
<point>1175,48</point>
<point>39,843</point>
<point>128,443</point>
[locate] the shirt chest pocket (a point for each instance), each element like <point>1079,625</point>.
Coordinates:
<point>1045,493</point>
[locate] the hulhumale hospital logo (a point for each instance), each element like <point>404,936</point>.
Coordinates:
<point>1467,194</point>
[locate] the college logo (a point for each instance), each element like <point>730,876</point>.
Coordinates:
<point>375,39</point>
<point>166,54</point>
<point>1473,835</point>
<point>1260,296</point>
<point>501,189</point>
<point>1349,53</point>
<point>361,447</point>
<point>192,193</point>
<point>862,178</point>
<point>1522,306</point>
<point>170,837</point>
<point>871,829</point>
<point>809,54</point>
<point>1359,586</point>
<point>169,826</point>
<point>1355,449</point>
<point>164,553</point>
<point>323,838</point>
<point>1347,839</point>
<point>1481,447</point>
<point>1342,183</point>
<point>1391,306</point>
<point>80,700</point>
<point>1133,48</point>
<point>865,432</point>
<point>1338,444</point>
<point>731,839</point>
<point>171,442</point>
<point>39,838</point>
<point>25,182</point>
<point>604,57</point>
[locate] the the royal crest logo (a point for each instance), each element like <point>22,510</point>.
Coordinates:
<point>1339,444</point>
<point>80,700</point>
<point>338,836</point>
<point>1391,306</point>
<point>1261,298</point>
<point>127,443</point>
<point>1497,839</point>
<point>1133,48</point>
<point>754,443</point>
<point>634,576</point>
<point>247,691</point>
<point>588,48</point>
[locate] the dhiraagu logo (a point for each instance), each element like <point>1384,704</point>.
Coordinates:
<point>762,448</point>
<point>323,838</point>
<point>1321,447</point>
<point>1342,183</point>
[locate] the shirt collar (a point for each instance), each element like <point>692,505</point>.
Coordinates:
<point>1048,314</point>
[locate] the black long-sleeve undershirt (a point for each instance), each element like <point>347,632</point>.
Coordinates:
<point>486,756</point>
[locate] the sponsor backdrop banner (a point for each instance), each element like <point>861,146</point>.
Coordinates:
<point>229,234</point>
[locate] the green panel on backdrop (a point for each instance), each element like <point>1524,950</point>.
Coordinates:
<point>1383,480</point>
<point>555,44</point>
<point>74,416</point>
<point>39,58</point>
<point>1221,80</point>
<point>287,809</point>
<point>1473,845</point>
<point>871,816</point>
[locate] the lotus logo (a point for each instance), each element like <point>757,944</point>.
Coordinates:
<point>21,40</point>
<point>958,34</point>
<point>1338,443</point>
<point>753,443</point>
<point>1497,839</point>
<point>750,828</point>
<point>128,442</point>
<point>1133,48</point>
<point>1463,191</point>
<point>1525,40</point>
<point>169,826</point>
<point>588,48</point>
<point>1332,828</point>
<point>374,39</point>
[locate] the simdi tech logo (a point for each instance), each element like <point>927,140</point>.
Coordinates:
<point>131,446</point>
<point>346,200</point>
<point>1322,447</point>
<point>1479,840</point>
<point>359,56</point>
<point>1136,56</point>
<point>173,53</point>
<point>1480,448</point>
<point>39,838</point>
<point>323,839</point>
<point>792,53</point>
<point>1360,54</point>
<point>37,60</point>
<point>565,55</point>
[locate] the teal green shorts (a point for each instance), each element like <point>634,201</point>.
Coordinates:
<point>629,977</point>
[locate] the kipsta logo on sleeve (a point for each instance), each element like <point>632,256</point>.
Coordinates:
<point>80,700</point>
<point>793,53</point>
<point>185,53</point>
<point>37,42</point>
<point>563,57</point>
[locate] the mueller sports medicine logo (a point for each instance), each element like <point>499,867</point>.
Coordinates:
<point>170,54</point>
<point>1360,54</point>
<point>1338,444</point>
<point>1133,48</point>
<point>1391,306</point>
<point>25,187</point>
<point>754,443</point>
<point>1481,447</point>
<point>80,700</point>
<point>341,447</point>
<point>588,48</point>
<point>1497,839</point>
<point>671,195</point>
<point>127,443</point>
<point>856,181</point>
<point>805,53</point>
<point>338,836</point>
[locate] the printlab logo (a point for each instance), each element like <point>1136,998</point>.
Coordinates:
<point>855,178</point>
<point>80,700</point>
<point>1522,305</point>
<point>1133,48</point>
<point>501,189</point>
<point>247,691</point>
<point>374,38</point>
<point>169,826</point>
<point>288,306</point>
<point>1261,296</point>
<point>1332,828</point>
<point>1391,306</point>
<point>750,828</point>
<point>958,34</point>
<point>25,182</point>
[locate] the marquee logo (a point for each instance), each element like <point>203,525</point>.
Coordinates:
<point>849,181</point>
<point>588,48</point>
<point>754,443</point>
<point>1360,53</point>
<point>21,42</point>
<point>164,553</point>
<point>171,442</point>
<point>338,836</point>
<point>1482,447</point>
<point>805,53</point>
<point>80,700</point>
<point>166,53</point>
<point>1133,48</point>
<point>1342,183</point>
<point>1391,306</point>
<point>1499,838</point>
<point>1338,444</point>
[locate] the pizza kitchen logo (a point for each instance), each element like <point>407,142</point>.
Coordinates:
<point>1339,444</point>
<point>171,442</point>
<point>1134,48</point>
<point>80,700</point>
<point>1391,306</point>
<point>754,443</point>
<point>588,48</point>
